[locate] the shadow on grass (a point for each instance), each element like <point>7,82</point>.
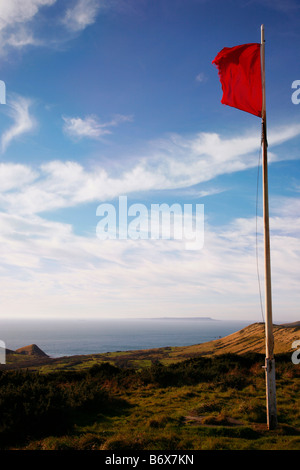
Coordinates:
<point>115,407</point>
<point>34,406</point>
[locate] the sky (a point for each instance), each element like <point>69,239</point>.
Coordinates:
<point>112,99</point>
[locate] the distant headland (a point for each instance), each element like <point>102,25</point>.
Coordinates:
<point>182,318</point>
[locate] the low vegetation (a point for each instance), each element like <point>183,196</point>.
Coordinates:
<point>199,403</point>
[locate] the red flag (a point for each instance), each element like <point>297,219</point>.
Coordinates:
<point>239,70</point>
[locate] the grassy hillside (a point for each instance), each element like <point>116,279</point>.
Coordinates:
<point>249,339</point>
<point>203,397</point>
<point>201,403</point>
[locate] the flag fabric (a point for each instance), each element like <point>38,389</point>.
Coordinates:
<point>239,70</point>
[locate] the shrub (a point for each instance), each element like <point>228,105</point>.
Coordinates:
<point>38,405</point>
<point>227,370</point>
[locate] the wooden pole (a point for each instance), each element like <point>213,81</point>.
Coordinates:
<point>269,361</point>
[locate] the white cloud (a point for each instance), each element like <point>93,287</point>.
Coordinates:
<point>18,108</point>
<point>90,126</point>
<point>201,77</point>
<point>14,176</point>
<point>46,267</point>
<point>22,38</point>
<point>19,20</point>
<point>20,11</point>
<point>171,163</point>
<point>15,19</point>
<point>82,14</point>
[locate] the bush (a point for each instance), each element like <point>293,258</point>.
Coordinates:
<point>38,405</point>
<point>228,370</point>
<point>103,371</point>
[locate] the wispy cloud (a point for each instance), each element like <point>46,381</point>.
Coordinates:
<point>18,109</point>
<point>15,175</point>
<point>21,38</point>
<point>201,77</point>
<point>15,22</point>
<point>20,20</point>
<point>20,11</point>
<point>55,270</point>
<point>81,14</point>
<point>175,162</point>
<point>90,126</point>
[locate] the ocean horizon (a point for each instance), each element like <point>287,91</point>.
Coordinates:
<point>58,338</point>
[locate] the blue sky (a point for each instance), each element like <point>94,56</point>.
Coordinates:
<point>120,98</point>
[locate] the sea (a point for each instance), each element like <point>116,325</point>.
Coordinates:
<point>58,338</point>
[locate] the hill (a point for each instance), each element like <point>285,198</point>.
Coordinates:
<point>249,339</point>
<point>174,398</point>
<point>31,350</point>
<point>202,403</point>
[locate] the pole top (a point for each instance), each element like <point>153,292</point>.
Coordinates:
<point>262,30</point>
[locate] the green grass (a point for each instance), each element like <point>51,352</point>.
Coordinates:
<point>207,404</point>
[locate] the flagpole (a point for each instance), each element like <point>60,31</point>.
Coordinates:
<point>269,360</point>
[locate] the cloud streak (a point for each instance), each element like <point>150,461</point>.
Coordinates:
<point>90,126</point>
<point>20,11</point>
<point>15,19</point>
<point>57,271</point>
<point>45,266</point>
<point>82,14</point>
<point>23,121</point>
<point>19,21</point>
<point>15,175</point>
<point>170,163</point>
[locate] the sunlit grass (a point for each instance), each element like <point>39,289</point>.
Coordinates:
<point>222,407</point>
